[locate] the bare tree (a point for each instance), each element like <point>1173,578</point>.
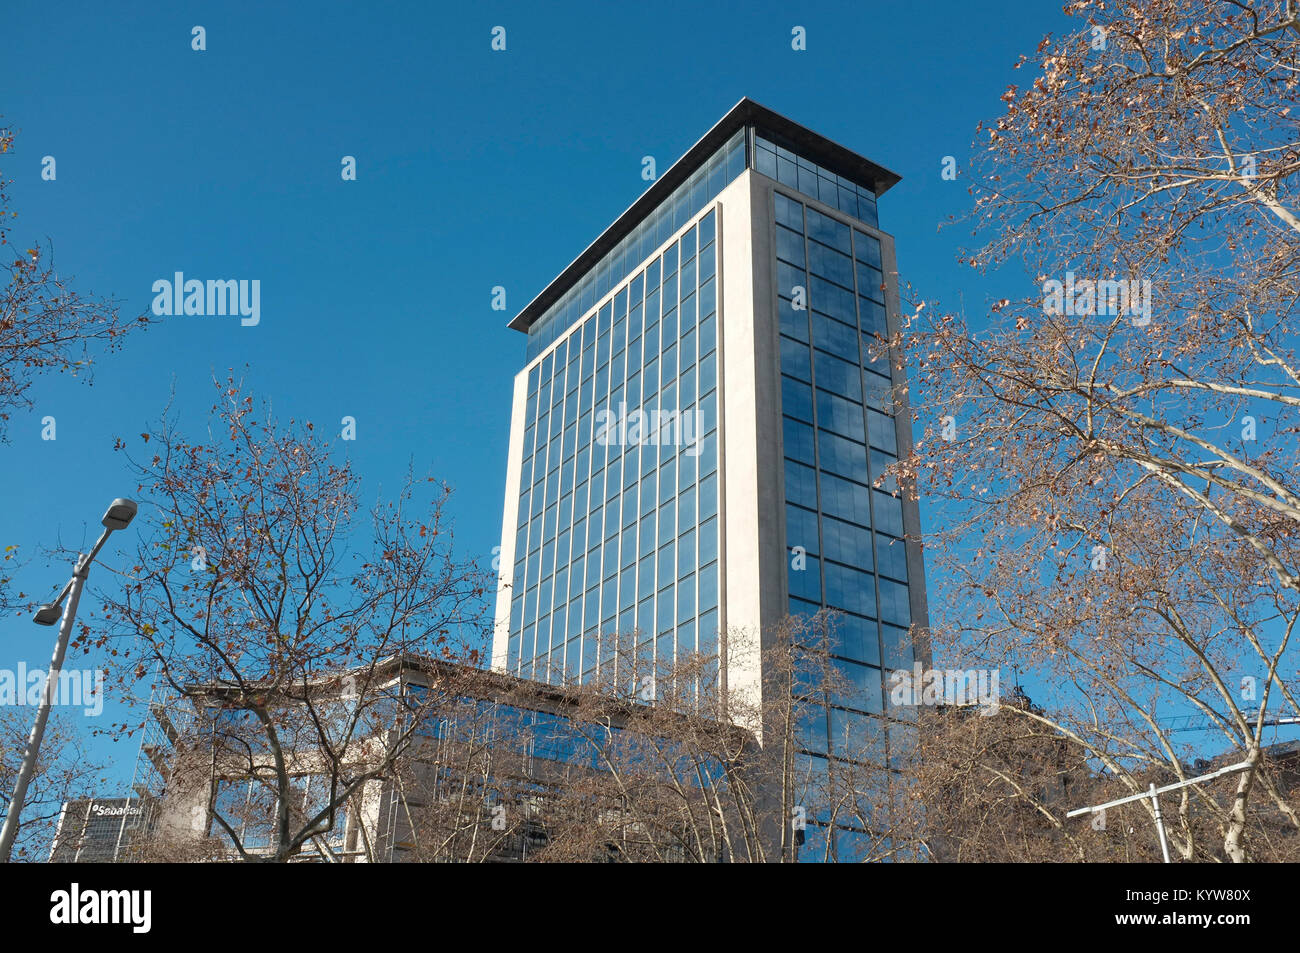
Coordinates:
<point>64,771</point>
<point>281,616</point>
<point>1112,455</point>
<point>45,324</point>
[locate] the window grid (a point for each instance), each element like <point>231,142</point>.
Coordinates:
<point>794,171</point>
<point>626,488</point>
<point>670,216</point>
<point>818,247</point>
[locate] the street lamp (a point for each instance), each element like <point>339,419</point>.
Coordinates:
<point>1154,793</point>
<point>119,515</point>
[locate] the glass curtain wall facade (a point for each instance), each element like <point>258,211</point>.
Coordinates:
<point>672,214</point>
<point>845,537</point>
<point>815,181</point>
<point>617,522</point>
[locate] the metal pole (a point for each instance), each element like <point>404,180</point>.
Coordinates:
<point>1160,823</point>
<point>1240,766</point>
<point>1154,793</point>
<point>25,773</point>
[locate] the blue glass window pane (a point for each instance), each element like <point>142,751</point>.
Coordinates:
<point>685,599</point>
<point>897,647</point>
<point>835,375</point>
<point>848,201</point>
<point>794,360</point>
<point>835,336</point>
<point>866,249</point>
<point>873,317</point>
<point>842,456</point>
<point>801,484</point>
<point>845,500</point>
<point>796,399</point>
<point>826,230</point>
<point>789,280</point>
<point>801,529</point>
<point>830,298</point>
<point>787,173</point>
<point>805,578</point>
<point>870,281</point>
<point>846,543</point>
<point>708,540</point>
<point>882,431</point>
<point>708,586</point>
<point>894,605</point>
<point>854,637</point>
<point>850,589</point>
<point>863,687</point>
<point>892,557</point>
<point>888,513</point>
<point>807,179</point>
<point>840,415</point>
<point>736,161</point>
<point>831,264</point>
<point>798,441</point>
<point>708,228</point>
<point>789,246</point>
<point>793,322</point>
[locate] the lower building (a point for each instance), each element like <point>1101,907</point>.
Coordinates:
<point>99,830</point>
<point>413,760</point>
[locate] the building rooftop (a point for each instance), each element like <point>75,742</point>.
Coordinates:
<point>812,146</point>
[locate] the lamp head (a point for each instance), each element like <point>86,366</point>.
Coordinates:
<point>119,515</point>
<point>48,614</point>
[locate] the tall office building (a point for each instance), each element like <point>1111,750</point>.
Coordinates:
<point>702,418</point>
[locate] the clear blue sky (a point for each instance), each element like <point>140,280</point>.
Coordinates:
<point>475,169</point>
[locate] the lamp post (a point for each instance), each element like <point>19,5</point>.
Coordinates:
<point>1154,793</point>
<point>119,516</point>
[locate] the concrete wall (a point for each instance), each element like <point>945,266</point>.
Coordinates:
<point>754,532</point>
<point>903,426</point>
<point>509,521</point>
